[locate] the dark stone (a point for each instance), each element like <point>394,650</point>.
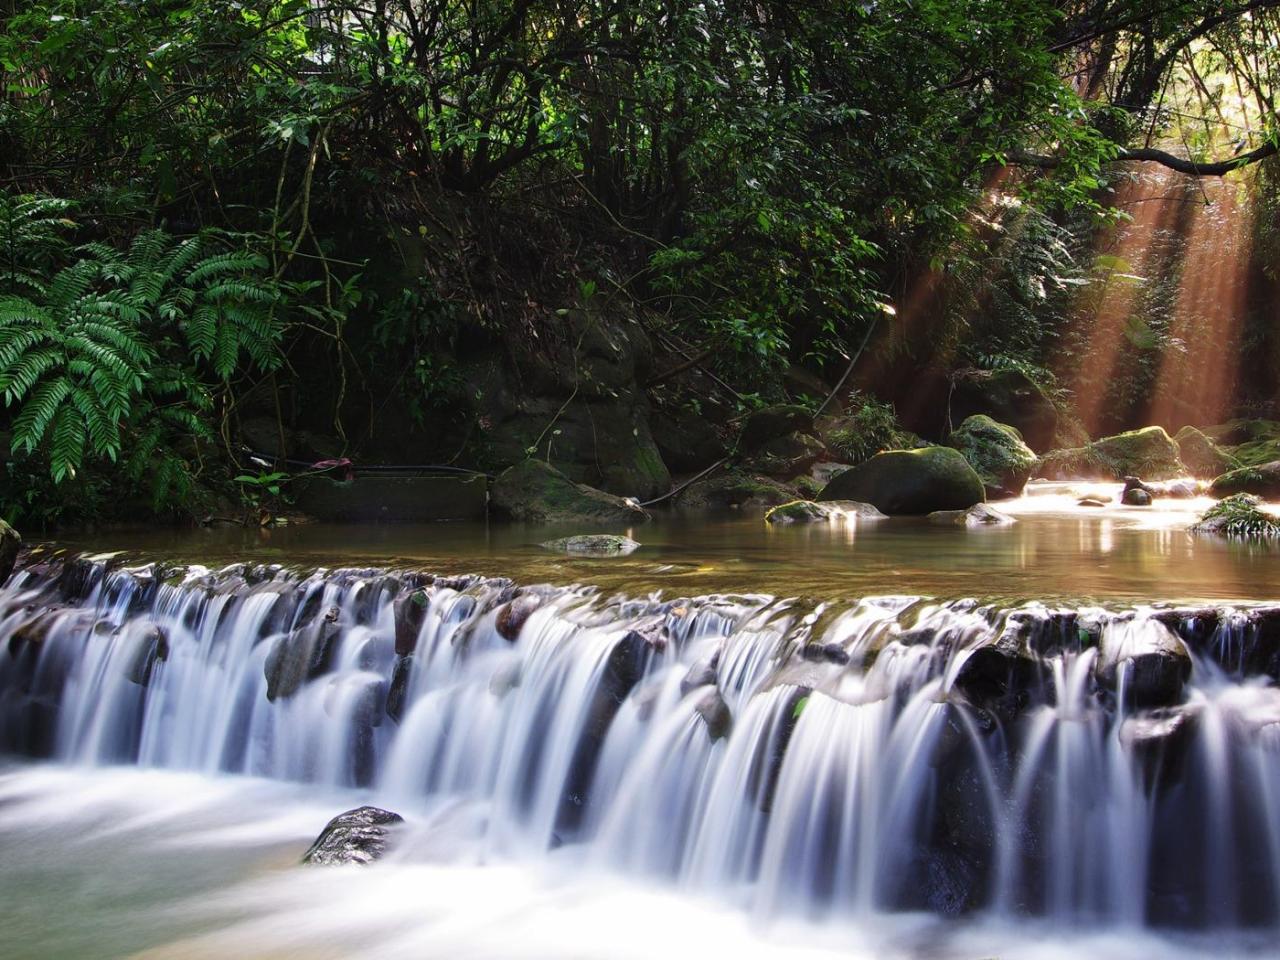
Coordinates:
<point>301,655</point>
<point>536,492</point>
<point>361,836</point>
<point>734,490</point>
<point>701,674</point>
<point>686,440</point>
<point>150,647</point>
<point>1159,743</point>
<point>380,499</point>
<point>511,618</point>
<point>1009,397</point>
<point>399,686</point>
<point>786,456</point>
<point>1136,497</point>
<point>910,482</point>
<point>407,611</point>
<point>1154,679</point>
<point>769,423</point>
<point>714,712</point>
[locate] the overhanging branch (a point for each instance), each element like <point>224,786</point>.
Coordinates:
<point>1190,167</point>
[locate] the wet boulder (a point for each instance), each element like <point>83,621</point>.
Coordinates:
<point>711,709</point>
<point>301,655</point>
<point>592,545</point>
<point>536,492</point>
<point>10,543</point>
<point>997,452</point>
<point>407,613</point>
<point>910,482</point>
<point>358,836</point>
<point>701,674</point>
<point>398,688</point>
<point>1201,455</point>
<point>799,511</point>
<point>1239,517</point>
<point>513,615</point>
<point>1261,481</point>
<point>1159,743</point>
<point>150,645</point>
<point>1137,496</point>
<point>1145,658</point>
<point>1007,397</point>
<point>979,515</point>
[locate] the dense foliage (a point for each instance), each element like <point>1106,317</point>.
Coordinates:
<point>764,181</point>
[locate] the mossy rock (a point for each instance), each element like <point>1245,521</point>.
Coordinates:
<point>1149,453</point>
<point>997,452</point>
<point>1254,453</point>
<point>1201,456</point>
<point>1243,430</point>
<point>1007,396</point>
<point>910,482</point>
<point>10,543</point>
<point>592,545</point>
<point>536,492</point>
<point>799,511</point>
<point>734,490</point>
<point>979,515</point>
<point>1261,481</point>
<point>1239,517</point>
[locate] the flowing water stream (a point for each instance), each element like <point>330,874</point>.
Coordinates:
<point>1059,738</point>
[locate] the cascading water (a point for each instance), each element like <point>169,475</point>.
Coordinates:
<point>893,753</point>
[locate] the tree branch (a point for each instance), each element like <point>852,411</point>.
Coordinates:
<point>1190,167</point>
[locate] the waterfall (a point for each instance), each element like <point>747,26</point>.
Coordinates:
<point>839,758</point>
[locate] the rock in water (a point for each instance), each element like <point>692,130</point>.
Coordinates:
<point>1262,481</point>
<point>806,511</point>
<point>910,482</point>
<point>979,515</point>
<point>1136,497</point>
<point>358,836</point>
<point>592,545</point>
<point>536,492</point>
<point>997,452</point>
<point>1149,452</point>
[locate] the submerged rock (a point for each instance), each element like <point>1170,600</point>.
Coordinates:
<point>361,836</point>
<point>536,492</point>
<point>979,515</point>
<point>910,482</point>
<point>592,545</point>
<point>807,511</point>
<point>997,452</point>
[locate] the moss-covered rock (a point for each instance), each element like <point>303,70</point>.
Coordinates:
<point>1200,455</point>
<point>1007,396</point>
<point>997,452</point>
<point>979,515</point>
<point>1243,430</point>
<point>535,492</point>
<point>1240,517</point>
<point>910,482</point>
<point>806,511</point>
<point>592,545</point>
<point>10,543</point>
<point>1261,481</point>
<point>734,490</point>
<point>1149,453</point>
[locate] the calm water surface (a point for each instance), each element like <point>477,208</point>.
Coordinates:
<point>1056,551</point>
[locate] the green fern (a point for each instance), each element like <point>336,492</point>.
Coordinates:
<point>116,356</point>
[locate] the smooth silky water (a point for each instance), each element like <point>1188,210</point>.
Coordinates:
<point>1059,738</point>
